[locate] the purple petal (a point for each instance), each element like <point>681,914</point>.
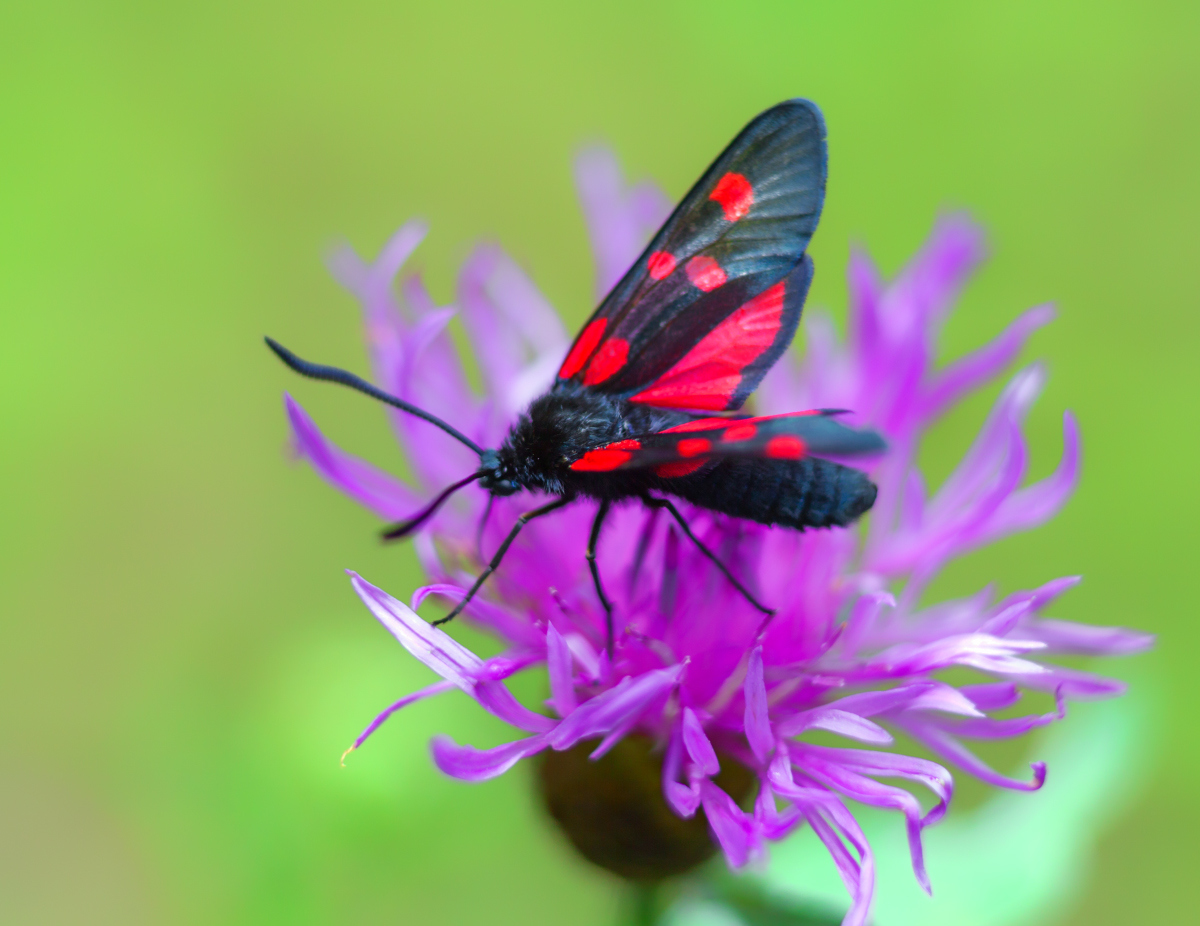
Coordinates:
<point>429,690</point>
<point>843,723</point>
<point>699,749</point>
<point>925,695</point>
<point>447,657</point>
<point>559,666</point>
<point>497,699</point>
<point>863,619</point>
<point>437,649</point>
<point>733,828</point>
<point>470,764</point>
<point>372,282</point>
<point>981,651</point>
<point>619,222</point>
<point>683,799</point>
<point>832,825</point>
<point>846,771</point>
<point>938,696</point>
<point>484,612</point>
<point>1045,594</point>
<point>864,704</point>
<point>756,722</point>
<point>1074,684</point>
<point>518,337</point>
<point>991,445</point>
<point>993,696</point>
<point>865,291</point>
<point>928,286</point>
<point>949,748</point>
<point>991,728</point>
<point>772,823</point>
<point>1085,640</point>
<point>1004,622</point>
<point>371,487</point>
<point>968,373</point>
<point>613,708</point>
<point>870,762</point>
<point>1041,501</point>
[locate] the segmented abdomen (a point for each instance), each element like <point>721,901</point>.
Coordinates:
<point>802,493</point>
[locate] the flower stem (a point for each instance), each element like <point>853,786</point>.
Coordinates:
<point>644,904</point>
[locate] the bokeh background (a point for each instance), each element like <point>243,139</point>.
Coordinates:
<point>182,660</point>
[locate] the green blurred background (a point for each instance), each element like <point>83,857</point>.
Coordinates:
<point>182,660</point>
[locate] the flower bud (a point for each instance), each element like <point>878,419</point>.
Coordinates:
<point>613,811</point>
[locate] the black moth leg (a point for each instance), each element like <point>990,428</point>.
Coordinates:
<point>601,514</point>
<point>670,507</point>
<point>512,535</point>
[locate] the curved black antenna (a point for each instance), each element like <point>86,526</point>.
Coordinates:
<point>404,528</point>
<point>335,375</point>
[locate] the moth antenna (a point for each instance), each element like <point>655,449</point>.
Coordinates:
<point>345,378</point>
<point>404,528</point>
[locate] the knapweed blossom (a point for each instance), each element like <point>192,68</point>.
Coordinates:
<point>853,649</point>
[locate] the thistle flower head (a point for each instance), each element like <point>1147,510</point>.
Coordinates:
<point>699,696</point>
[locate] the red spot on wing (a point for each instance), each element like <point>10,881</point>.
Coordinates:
<point>700,424</point>
<point>609,358</point>
<point>785,447</point>
<point>705,273</point>
<point>661,265</point>
<point>606,458</point>
<point>693,446</point>
<point>708,375</point>
<point>675,470</point>
<point>584,345</point>
<point>740,432</point>
<point>735,194</point>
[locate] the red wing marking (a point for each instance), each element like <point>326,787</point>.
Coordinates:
<point>609,358</point>
<point>740,431</point>
<point>700,424</point>
<point>735,194</point>
<point>693,446</point>
<point>603,459</point>
<point>785,447</point>
<point>705,273</point>
<point>584,345</point>
<point>675,470</point>
<point>661,265</point>
<point>708,375</point>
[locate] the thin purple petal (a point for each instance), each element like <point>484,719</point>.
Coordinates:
<point>470,764</point>
<point>374,489</point>
<point>950,749</point>
<point>614,707</point>
<point>699,749</point>
<point>560,670</point>
<point>951,384</point>
<point>734,829</point>
<point>756,722</point>
<point>428,691</point>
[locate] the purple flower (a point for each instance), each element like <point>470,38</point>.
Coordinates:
<point>693,670</point>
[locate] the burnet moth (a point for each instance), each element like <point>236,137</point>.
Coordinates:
<point>687,334</point>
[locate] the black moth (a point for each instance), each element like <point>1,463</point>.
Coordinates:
<point>692,328</point>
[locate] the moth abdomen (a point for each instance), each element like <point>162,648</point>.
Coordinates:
<point>810,492</point>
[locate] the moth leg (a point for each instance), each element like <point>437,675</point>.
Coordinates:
<point>670,507</point>
<point>512,535</point>
<point>601,514</point>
